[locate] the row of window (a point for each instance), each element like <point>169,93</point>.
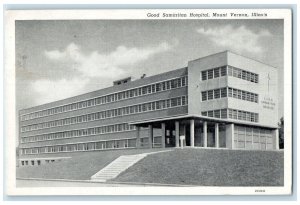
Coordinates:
<point>243,95</point>
<point>99,145</point>
<point>242,115</point>
<point>216,113</point>
<point>214,73</point>
<point>252,138</point>
<point>230,71</point>
<point>232,114</point>
<point>229,92</point>
<point>145,90</point>
<point>245,75</point>
<point>145,107</point>
<point>38,162</point>
<point>214,94</point>
<point>80,133</point>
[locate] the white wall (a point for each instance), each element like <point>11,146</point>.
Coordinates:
<point>267,117</point>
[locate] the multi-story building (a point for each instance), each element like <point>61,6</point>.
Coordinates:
<point>223,101</point>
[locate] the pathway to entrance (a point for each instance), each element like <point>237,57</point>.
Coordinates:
<point>119,165</point>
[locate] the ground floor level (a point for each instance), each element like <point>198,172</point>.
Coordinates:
<point>204,133</point>
<point>188,132</point>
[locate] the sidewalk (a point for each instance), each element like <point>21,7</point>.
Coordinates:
<point>80,183</point>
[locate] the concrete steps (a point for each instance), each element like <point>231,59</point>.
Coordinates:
<point>116,167</point>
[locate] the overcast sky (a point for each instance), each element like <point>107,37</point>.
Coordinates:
<point>59,59</point>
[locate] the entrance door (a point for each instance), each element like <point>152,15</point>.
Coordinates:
<point>170,138</point>
<point>170,135</point>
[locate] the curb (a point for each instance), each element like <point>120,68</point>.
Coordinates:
<point>99,182</point>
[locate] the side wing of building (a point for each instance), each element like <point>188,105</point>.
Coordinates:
<point>238,98</point>
<point>99,120</point>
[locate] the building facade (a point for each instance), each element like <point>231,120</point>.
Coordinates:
<point>222,101</point>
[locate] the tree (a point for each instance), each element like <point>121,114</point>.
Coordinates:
<point>281,133</point>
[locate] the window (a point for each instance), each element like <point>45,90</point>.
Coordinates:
<point>256,98</point>
<point>164,85</point>
<point>204,96</point>
<point>184,81</point>
<point>240,115</point>
<point>248,97</point>
<point>230,114</point>
<point>223,71</point>
<point>223,92</point>
<point>244,115</point>
<point>175,83</point>
<point>183,100</point>
<point>210,74</point>
<point>256,78</point>
<point>179,82</point>
<point>217,93</point>
<point>244,75</point>
<point>173,102</point>
<point>234,114</point>
<point>234,72</point>
<point>210,94</point>
<point>244,95</point>
<point>234,93</point>
<point>239,73</point>
<point>255,117</point>
<point>168,85</point>
<point>178,101</point>
<point>172,84</point>
<point>229,92</point>
<point>252,97</point>
<point>217,113</point>
<point>224,113</point>
<point>239,94</point>
<point>158,87</point>
<point>230,70</point>
<point>144,90</point>
<point>216,72</point>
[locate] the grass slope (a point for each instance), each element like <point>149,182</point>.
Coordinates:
<point>208,168</point>
<point>81,166</point>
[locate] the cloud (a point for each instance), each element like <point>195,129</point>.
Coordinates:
<point>240,38</point>
<point>91,66</point>
<point>49,90</point>
<point>109,65</point>
<point>54,55</point>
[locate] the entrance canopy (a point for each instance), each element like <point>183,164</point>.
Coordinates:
<point>197,131</point>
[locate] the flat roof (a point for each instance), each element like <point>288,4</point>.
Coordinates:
<point>228,51</point>
<point>104,89</point>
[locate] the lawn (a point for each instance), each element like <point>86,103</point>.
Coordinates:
<point>208,167</point>
<point>81,165</point>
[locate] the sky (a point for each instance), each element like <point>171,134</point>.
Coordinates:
<point>60,59</point>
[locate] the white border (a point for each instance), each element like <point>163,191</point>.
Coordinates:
<point>10,112</point>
